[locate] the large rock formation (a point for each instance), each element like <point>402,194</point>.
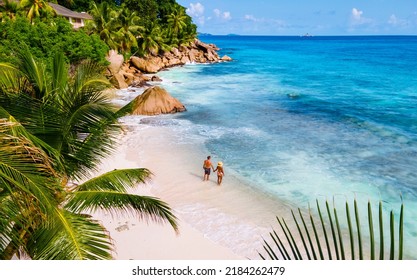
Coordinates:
<point>131,73</point>
<point>116,61</point>
<point>128,76</point>
<point>198,52</point>
<point>119,81</point>
<point>151,64</point>
<point>155,101</point>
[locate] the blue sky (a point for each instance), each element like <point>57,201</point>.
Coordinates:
<point>298,17</point>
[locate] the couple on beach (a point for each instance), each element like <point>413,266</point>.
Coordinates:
<point>207,166</point>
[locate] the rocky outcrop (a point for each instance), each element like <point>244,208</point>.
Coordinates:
<point>226,58</point>
<point>128,76</point>
<point>116,61</point>
<point>197,52</point>
<point>155,101</point>
<point>118,80</point>
<point>132,72</point>
<point>151,64</point>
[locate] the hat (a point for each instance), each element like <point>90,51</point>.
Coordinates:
<point>220,164</point>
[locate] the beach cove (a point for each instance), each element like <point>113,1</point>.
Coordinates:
<point>318,124</point>
<point>213,224</point>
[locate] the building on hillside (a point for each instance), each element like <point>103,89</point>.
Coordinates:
<point>76,19</point>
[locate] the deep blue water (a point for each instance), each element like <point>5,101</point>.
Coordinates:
<point>301,118</point>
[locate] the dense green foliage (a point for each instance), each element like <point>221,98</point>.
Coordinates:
<point>135,27</point>
<point>54,131</point>
<point>44,39</point>
<point>56,127</point>
<point>142,27</point>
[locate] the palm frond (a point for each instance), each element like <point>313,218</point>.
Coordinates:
<point>9,78</point>
<point>329,252</point>
<point>70,236</point>
<point>28,188</point>
<point>116,180</point>
<point>332,227</point>
<point>89,124</point>
<point>10,215</point>
<point>18,130</point>
<point>301,235</point>
<point>23,166</point>
<point>144,207</point>
<point>58,128</point>
<point>371,232</point>
<point>59,75</point>
<point>351,230</point>
<point>34,72</point>
<point>89,79</point>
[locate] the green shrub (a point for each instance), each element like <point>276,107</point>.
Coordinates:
<point>45,37</point>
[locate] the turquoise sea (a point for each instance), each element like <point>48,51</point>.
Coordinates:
<point>301,118</point>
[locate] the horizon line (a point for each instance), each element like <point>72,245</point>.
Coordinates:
<point>335,35</point>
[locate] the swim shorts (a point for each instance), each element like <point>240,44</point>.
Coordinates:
<point>207,171</point>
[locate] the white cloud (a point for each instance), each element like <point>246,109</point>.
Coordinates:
<point>356,15</point>
<point>227,16</point>
<point>275,22</point>
<point>196,11</point>
<point>250,18</point>
<point>397,22</point>
<point>222,15</point>
<point>217,12</point>
<point>357,18</point>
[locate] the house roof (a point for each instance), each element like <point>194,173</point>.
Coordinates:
<point>62,11</point>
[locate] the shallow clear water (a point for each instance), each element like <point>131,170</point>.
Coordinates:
<point>306,118</point>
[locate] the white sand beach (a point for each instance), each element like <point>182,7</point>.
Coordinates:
<point>216,222</point>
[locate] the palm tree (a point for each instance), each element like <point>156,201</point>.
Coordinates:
<point>27,186</point>
<point>105,23</point>
<point>129,29</point>
<point>151,40</point>
<point>177,20</point>
<point>63,127</point>
<point>9,9</point>
<point>327,238</point>
<point>36,8</point>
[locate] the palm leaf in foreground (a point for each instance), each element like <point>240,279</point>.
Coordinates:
<point>109,192</point>
<point>63,129</point>
<point>70,236</point>
<point>278,248</point>
<point>28,185</point>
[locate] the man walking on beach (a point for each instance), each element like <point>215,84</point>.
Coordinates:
<point>207,166</point>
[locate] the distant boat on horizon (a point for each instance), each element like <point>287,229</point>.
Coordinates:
<point>307,35</point>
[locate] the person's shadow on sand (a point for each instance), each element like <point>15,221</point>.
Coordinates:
<point>196,175</point>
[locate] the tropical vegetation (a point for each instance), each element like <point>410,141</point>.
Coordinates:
<point>142,27</point>
<point>55,129</point>
<point>56,125</point>
<point>324,234</point>
<point>130,27</point>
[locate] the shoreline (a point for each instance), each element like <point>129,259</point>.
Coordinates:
<point>146,240</point>
<point>216,222</point>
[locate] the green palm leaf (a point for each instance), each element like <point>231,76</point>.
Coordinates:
<point>145,207</point>
<point>34,73</point>
<point>54,129</point>
<point>116,180</point>
<point>70,236</point>
<point>24,167</point>
<point>351,230</point>
<point>28,188</point>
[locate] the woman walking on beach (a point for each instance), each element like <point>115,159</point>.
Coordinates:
<point>207,166</point>
<point>220,172</point>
